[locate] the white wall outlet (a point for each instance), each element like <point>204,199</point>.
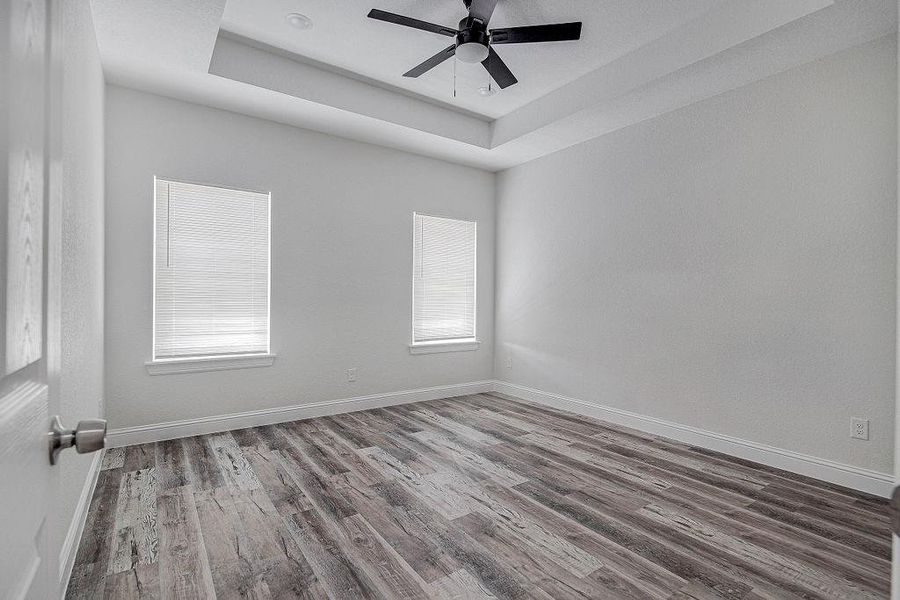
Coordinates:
<point>859,428</point>
<point>351,374</point>
<point>509,362</point>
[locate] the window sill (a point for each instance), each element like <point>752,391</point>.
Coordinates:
<point>208,363</point>
<point>450,346</point>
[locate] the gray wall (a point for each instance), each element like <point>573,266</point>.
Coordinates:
<point>341,258</point>
<point>729,266</point>
<point>81,369</point>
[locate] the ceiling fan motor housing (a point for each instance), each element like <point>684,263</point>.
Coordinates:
<point>472,41</point>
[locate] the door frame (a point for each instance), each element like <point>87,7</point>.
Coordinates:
<point>53,207</point>
<point>895,539</point>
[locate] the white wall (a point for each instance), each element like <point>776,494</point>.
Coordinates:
<point>81,368</point>
<point>341,258</point>
<point>729,266</point>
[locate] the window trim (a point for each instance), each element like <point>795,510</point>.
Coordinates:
<point>196,363</point>
<point>449,344</point>
<point>440,346</point>
<point>199,364</point>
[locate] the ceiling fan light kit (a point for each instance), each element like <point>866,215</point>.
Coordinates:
<point>473,40</point>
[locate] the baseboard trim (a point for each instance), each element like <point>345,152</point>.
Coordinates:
<point>865,480</point>
<point>76,527</point>
<point>158,432</point>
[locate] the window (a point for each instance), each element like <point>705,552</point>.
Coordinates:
<point>211,273</point>
<point>443,283</point>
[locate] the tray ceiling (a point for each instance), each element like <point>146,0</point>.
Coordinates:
<point>343,37</point>
<point>637,59</point>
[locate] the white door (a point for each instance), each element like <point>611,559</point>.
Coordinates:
<point>29,166</point>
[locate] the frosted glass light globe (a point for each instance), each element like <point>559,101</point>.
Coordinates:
<point>471,52</point>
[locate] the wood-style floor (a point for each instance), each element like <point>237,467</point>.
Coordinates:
<point>472,497</point>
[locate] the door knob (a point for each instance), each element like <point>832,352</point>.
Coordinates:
<point>88,436</point>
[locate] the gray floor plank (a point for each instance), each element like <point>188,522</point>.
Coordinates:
<point>409,540</point>
<point>113,458</point>
<point>459,585</point>
<point>340,577</point>
<point>393,577</point>
<point>203,467</point>
<point>184,567</point>
<point>232,462</point>
<point>134,584</point>
<point>136,540</point>
<point>172,469</point>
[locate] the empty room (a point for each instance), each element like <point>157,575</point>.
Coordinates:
<point>451,299</point>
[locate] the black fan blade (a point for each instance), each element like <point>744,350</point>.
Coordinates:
<point>498,70</point>
<point>559,32</point>
<point>431,62</point>
<point>482,10</point>
<point>410,22</point>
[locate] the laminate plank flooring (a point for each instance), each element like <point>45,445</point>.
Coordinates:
<point>474,497</point>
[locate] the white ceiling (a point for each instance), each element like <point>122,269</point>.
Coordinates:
<point>342,36</point>
<point>637,59</point>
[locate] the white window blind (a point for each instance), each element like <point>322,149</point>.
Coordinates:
<point>211,271</point>
<point>443,279</point>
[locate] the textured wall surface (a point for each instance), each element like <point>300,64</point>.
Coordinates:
<point>341,258</point>
<point>81,374</point>
<point>729,266</point>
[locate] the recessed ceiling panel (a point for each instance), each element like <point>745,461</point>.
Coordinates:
<point>342,36</point>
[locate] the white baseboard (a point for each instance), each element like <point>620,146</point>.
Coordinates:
<point>858,478</point>
<point>76,527</point>
<point>157,432</point>
<point>865,480</point>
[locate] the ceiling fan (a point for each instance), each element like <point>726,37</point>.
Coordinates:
<point>474,41</point>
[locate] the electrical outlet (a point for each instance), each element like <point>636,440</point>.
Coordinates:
<point>859,428</point>
<point>509,362</point>
<point>351,374</point>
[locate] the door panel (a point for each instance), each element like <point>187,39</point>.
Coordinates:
<point>23,504</point>
<point>25,222</point>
